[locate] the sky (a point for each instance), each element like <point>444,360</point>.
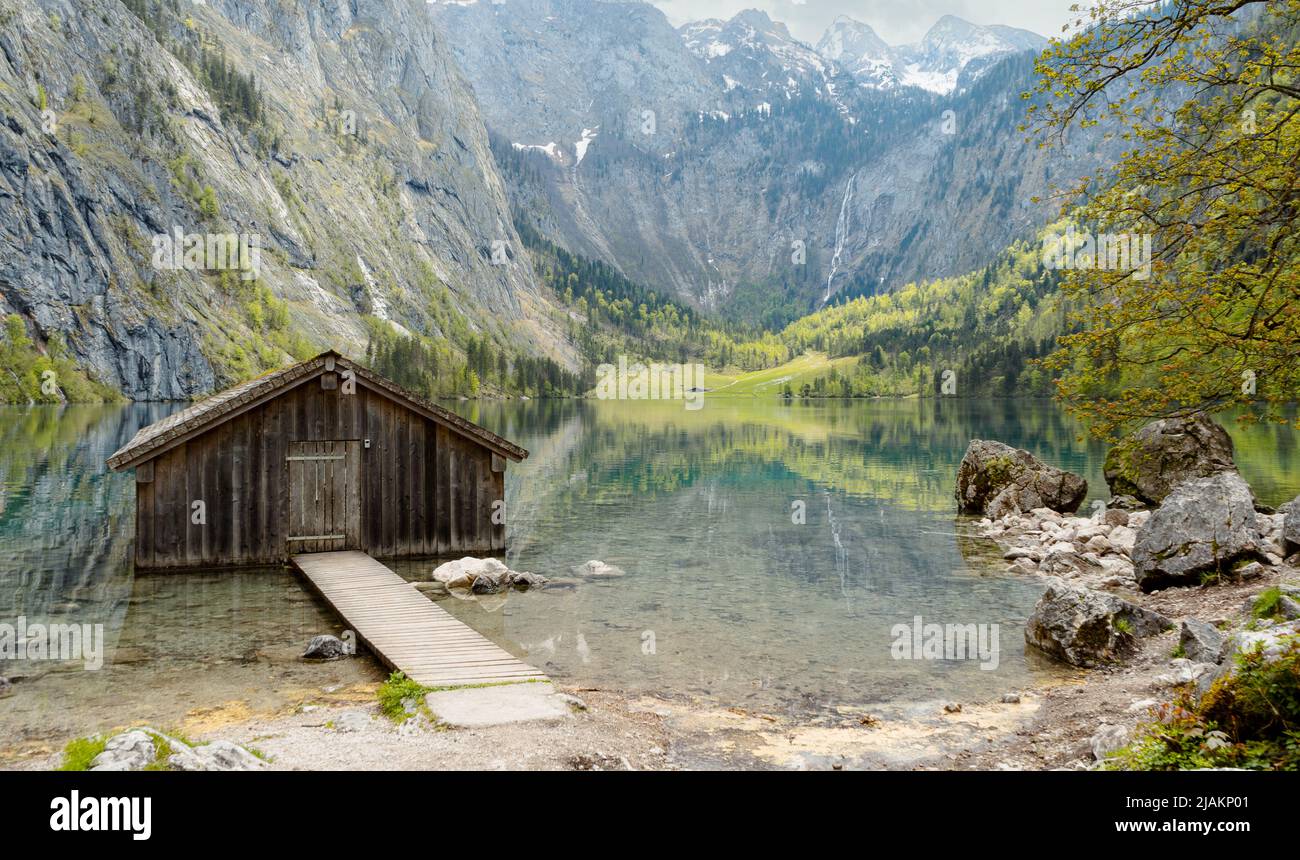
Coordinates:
<point>896,21</point>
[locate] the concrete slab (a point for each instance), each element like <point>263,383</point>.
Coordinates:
<point>474,707</point>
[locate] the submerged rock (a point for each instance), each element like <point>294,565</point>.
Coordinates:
<point>325,647</point>
<point>1088,628</point>
<point>486,583</point>
<point>6,687</point>
<point>1206,526</point>
<point>484,576</point>
<point>597,568</point>
<point>525,580</point>
<point>995,480</point>
<point>1151,462</point>
<point>1201,642</point>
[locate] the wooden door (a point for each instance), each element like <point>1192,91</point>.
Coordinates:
<point>324,496</point>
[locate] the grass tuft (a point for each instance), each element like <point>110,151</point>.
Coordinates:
<point>80,753</point>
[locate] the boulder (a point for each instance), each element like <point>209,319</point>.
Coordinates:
<point>131,750</point>
<point>1110,739</point>
<point>1115,517</point>
<point>1149,463</point>
<point>996,480</point>
<point>486,583</point>
<point>1099,545</point>
<point>1290,526</point>
<point>216,756</point>
<point>463,572</point>
<point>1248,572</point>
<point>1125,503</point>
<point>1185,672</point>
<point>1088,628</point>
<point>325,648</point>
<point>1206,526</point>
<point>1068,564</point>
<point>1123,539</point>
<point>1272,642</point>
<point>1201,642</point>
<point>524,580</point>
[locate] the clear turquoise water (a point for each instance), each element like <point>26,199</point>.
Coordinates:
<point>741,603</point>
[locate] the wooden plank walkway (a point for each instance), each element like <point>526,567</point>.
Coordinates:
<point>403,628</point>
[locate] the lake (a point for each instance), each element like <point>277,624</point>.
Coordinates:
<point>769,551</point>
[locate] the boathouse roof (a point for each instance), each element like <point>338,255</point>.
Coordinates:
<point>209,413</point>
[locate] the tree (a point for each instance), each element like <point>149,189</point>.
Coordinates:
<point>1204,96</point>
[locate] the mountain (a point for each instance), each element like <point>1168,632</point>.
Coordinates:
<point>757,200</point>
<point>857,49</point>
<point>551,74</point>
<point>338,134</point>
<point>954,49</point>
<point>754,52</point>
<point>953,52</point>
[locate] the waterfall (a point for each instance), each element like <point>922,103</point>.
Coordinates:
<point>841,234</point>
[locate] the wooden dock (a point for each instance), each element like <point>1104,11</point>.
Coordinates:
<point>403,628</point>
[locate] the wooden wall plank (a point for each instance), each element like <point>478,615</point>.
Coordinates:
<point>442,487</point>
<point>420,489</point>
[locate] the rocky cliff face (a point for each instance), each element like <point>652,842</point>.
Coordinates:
<point>745,196</point>
<point>338,133</point>
<point>550,73</point>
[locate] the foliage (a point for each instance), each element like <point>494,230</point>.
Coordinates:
<point>1267,605</point>
<point>81,752</point>
<point>1250,719</point>
<point>28,375</point>
<point>1204,95</point>
<point>396,690</point>
<point>236,94</point>
<point>987,327</point>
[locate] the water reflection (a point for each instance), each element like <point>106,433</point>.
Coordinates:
<point>769,548</point>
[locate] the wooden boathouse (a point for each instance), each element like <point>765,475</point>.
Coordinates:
<point>323,456</point>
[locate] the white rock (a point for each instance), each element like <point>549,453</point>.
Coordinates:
<point>1123,538</point>
<point>216,756</point>
<point>462,572</point>
<point>1098,544</point>
<point>131,750</point>
<point>597,568</point>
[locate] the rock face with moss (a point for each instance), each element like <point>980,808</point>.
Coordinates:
<point>1088,628</point>
<point>1206,527</point>
<point>995,480</point>
<point>1149,463</point>
<point>341,134</point>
